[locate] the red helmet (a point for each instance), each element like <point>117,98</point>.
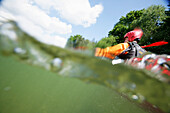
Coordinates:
<point>132,35</point>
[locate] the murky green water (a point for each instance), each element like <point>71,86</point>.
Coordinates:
<point>27,89</point>
<point>134,84</point>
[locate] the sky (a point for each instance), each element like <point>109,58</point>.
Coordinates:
<point>54,21</point>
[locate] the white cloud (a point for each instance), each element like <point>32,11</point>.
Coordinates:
<point>33,17</point>
<point>37,16</point>
<point>78,12</point>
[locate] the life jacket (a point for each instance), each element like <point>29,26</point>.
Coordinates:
<point>134,50</point>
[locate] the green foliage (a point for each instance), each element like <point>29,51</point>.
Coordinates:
<point>80,43</point>
<point>107,41</point>
<point>154,23</point>
<point>162,34</point>
<point>119,30</point>
<point>124,25</point>
<point>116,35</point>
<point>150,21</point>
<point>130,17</point>
<point>77,41</point>
<point>91,45</point>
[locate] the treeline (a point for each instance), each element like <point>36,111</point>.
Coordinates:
<point>154,21</point>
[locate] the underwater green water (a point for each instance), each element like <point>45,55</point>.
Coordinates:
<point>27,89</point>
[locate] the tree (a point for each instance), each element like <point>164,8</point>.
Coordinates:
<point>77,41</point>
<point>161,33</point>
<point>107,41</point>
<point>150,21</point>
<point>154,23</point>
<point>116,35</point>
<point>124,25</point>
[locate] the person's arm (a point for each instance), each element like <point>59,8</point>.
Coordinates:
<point>111,52</point>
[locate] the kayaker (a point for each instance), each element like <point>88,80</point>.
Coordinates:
<point>126,50</point>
